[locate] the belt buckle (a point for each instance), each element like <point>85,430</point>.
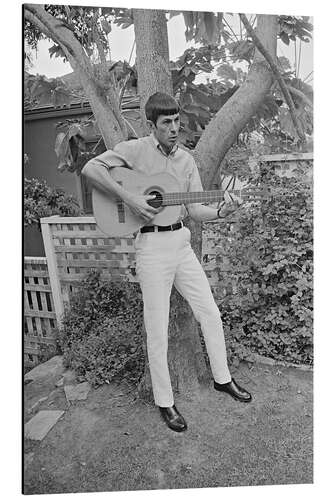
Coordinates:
<point>171,227</point>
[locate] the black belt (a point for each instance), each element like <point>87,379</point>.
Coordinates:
<point>151,229</point>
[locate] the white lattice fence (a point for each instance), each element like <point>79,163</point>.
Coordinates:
<point>39,314</point>
<point>74,246</point>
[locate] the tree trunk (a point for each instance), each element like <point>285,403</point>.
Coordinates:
<point>185,355</point>
<point>152,55</point>
<point>110,123</point>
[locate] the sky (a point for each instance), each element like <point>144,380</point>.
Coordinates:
<point>121,43</point>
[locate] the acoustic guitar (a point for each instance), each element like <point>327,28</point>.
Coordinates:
<point>114,218</point>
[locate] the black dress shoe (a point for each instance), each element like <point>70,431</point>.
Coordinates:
<point>234,390</point>
<point>173,418</point>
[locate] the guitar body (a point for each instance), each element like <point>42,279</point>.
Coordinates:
<point>114,218</point>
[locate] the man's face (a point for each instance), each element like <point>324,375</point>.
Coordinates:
<point>166,130</point>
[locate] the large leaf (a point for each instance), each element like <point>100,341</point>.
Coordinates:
<point>304,121</point>
<point>284,37</point>
<point>68,144</point>
<point>106,26</point>
<point>284,63</point>
<point>123,18</point>
<point>63,153</point>
<point>226,72</point>
<point>57,51</point>
<point>241,50</point>
<point>292,27</point>
<point>305,88</point>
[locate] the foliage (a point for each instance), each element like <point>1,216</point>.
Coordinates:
<point>40,200</point>
<point>218,49</point>
<point>87,23</point>
<point>265,262</point>
<point>199,103</point>
<point>39,91</point>
<point>292,27</point>
<point>101,334</point>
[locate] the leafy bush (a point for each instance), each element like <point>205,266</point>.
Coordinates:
<point>101,334</point>
<point>40,200</point>
<point>268,308</point>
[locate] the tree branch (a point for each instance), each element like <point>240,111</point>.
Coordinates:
<point>300,94</point>
<point>110,121</point>
<point>60,33</point>
<point>277,75</point>
<point>29,16</point>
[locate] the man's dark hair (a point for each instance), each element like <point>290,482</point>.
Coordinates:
<point>160,104</point>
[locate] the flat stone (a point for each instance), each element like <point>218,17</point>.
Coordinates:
<point>77,392</point>
<point>41,424</point>
<point>51,367</point>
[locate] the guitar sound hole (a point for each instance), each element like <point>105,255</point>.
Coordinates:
<point>157,202</point>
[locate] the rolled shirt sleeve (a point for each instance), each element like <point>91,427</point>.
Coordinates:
<point>118,157</point>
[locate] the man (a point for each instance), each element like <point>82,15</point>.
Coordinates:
<point>164,256</point>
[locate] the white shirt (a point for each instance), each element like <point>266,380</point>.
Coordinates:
<point>146,155</point>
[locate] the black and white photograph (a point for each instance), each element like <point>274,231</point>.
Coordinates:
<point>167,220</point>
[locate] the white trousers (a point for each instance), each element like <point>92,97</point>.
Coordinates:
<point>164,259</point>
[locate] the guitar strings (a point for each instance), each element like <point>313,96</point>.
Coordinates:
<point>200,196</point>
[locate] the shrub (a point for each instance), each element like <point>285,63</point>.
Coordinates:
<point>101,334</point>
<point>268,308</point>
<point>40,200</point>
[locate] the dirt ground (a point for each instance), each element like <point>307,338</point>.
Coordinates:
<point>114,442</point>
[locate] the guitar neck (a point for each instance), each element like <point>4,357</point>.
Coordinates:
<point>196,197</point>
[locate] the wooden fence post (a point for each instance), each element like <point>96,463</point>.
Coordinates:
<point>52,267</point>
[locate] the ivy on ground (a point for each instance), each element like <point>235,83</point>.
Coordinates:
<point>266,263</point>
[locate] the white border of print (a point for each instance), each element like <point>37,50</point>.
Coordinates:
<point>11,231</point>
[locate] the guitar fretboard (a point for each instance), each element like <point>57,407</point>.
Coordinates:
<point>197,197</point>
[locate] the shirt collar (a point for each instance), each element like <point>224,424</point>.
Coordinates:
<point>159,147</point>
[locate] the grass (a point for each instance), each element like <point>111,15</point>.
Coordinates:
<point>114,442</point>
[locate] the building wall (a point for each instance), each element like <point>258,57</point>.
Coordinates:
<point>33,242</point>
<point>39,141</point>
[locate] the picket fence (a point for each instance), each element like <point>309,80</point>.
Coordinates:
<point>74,246</point>
<point>39,313</point>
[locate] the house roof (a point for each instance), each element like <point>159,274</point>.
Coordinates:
<point>76,104</point>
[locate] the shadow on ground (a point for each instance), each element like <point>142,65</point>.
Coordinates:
<point>114,442</point>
